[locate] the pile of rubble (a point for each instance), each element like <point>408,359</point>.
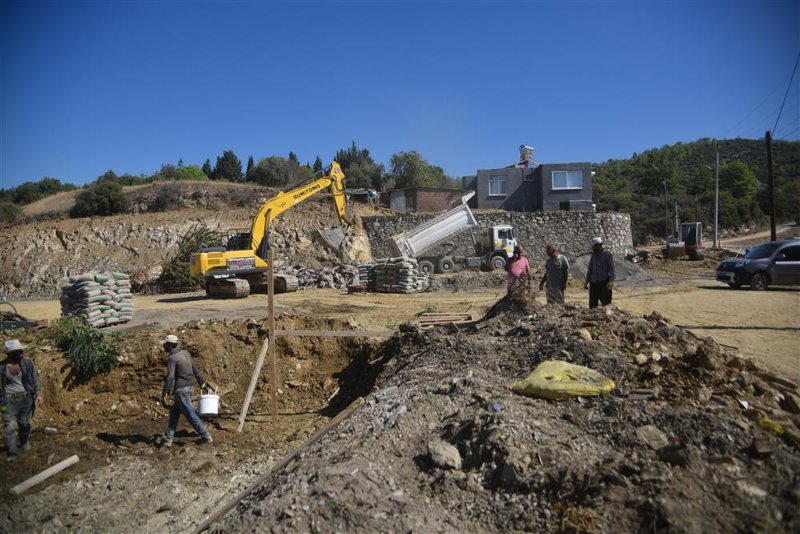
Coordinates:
<point>692,439</point>
<point>337,277</point>
<point>103,298</point>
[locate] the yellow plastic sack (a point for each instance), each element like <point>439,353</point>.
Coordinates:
<point>557,380</point>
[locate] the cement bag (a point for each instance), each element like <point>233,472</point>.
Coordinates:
<point>557,380</point>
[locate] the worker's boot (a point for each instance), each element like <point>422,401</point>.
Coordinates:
<point>164,441</point>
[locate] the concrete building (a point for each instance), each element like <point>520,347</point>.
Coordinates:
<point>420,199</point>
<point>546,187</point>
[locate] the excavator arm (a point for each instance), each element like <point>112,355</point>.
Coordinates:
<point>281,202</point>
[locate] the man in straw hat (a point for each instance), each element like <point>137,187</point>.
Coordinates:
<point>21,392</point>
<point>180,372</point>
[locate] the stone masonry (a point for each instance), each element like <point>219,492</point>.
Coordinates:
<point>570,231</point>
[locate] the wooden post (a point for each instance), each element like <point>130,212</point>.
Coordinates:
<point>44,475</point>
<point>273,365</point>
<point>253,382</point>
<point>771,187</point>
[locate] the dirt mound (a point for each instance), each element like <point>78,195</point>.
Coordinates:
<point>445,446</point>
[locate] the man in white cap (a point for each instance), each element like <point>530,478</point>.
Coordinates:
<point>21,392</point>
<point>599,274</point>
<point>180,372</point>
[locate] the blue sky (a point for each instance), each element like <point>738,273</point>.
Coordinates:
<point>90,86</point>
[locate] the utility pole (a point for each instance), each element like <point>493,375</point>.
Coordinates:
<point>771,184</point>
<point>716,206</point>
<point>666,208</point>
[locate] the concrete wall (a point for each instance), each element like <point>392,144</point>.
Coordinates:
<point>570,231</point>
<point>552,198</point>
<point>423,199</point>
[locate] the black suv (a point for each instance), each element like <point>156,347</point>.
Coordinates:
<point>775,263</point>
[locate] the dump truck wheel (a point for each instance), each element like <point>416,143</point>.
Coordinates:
<point>498,262</point>
<point>425,267</point>
<point>446,265</point>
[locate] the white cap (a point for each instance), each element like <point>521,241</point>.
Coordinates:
<point>13,345</point>
<point>170,339</point>
<point>597,241</point>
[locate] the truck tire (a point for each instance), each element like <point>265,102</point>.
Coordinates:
<point>759,282</point>
<point>425,267</point>
<point>497,262</point>
<point>446,265</point>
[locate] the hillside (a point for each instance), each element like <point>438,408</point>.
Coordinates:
<point>687,171</point>
<point>36,256</point>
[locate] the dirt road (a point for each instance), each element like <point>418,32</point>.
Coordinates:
<point>762,325</point>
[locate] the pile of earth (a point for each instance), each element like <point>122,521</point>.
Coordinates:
<point>111,423</point>
<point>443,445</point>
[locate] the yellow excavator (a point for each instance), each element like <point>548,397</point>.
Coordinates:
<point>240,267</point>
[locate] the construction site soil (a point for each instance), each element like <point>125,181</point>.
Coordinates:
<point>679,445</point>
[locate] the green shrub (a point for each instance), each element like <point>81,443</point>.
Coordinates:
<point>103,198</point>
<point>89,351</point>
<point>9,213</point>
<point>175,276</point>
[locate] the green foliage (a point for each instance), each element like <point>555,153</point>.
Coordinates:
<point>228,167</point>
<point>686,172</point>
<point>175,276</point>
<point>10,213</point>
<point>192,172</point>
<point>276,171</point>
<point>32,191</point>
<point>409,169</point>
<point>89,351</point>
<point>207,170</point>
<point>360,170</point>
<point>317,165</point>
<point>103,198</point>
<point>250,165</point>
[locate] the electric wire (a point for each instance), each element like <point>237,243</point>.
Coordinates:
<point>794,70</point>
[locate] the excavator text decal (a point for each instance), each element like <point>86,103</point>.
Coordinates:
<point>308,191</point>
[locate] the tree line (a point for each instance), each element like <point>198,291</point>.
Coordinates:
<point>650,185</point>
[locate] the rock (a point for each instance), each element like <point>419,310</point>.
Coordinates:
<point>651,435</point>
<point>585,334</point>
<point>129,408</point>
<point>444,455</point>
<point>640,359</point>
<point>703,394</point>
<point>674,454</point>
<point>752,491</point>
<point>790,403</point>
<point>761,447</point>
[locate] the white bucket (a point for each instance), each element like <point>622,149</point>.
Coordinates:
<point>208,404</point>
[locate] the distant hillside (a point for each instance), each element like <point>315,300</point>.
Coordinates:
<point>687,172</point>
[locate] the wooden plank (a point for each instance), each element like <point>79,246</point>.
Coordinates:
<point>253,382</point>
<point>335,333</point>
<point>273,360</point>
<point>44,475</point>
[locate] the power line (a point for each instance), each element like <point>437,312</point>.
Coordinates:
<point>784,137</point>
<point>796,62</point>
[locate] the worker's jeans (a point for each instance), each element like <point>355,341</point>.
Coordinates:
<point>183,403</point>
<point>18,413</point>
<point>599,291</point>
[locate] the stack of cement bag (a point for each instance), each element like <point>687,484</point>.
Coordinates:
<point>103,298</point>
<point>399,275</point>
<point>366,276</point>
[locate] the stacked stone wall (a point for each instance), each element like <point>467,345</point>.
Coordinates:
<point>570,231</point>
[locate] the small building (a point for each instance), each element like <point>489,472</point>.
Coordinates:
<point>421,199</point>
<point>523,187</point>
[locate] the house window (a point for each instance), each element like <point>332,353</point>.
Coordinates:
<point>497,186</point>
<point>567,180</point>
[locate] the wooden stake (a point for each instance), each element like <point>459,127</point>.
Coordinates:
<point>253,382</point>
<point>273,364</point>
<point>44,475</point>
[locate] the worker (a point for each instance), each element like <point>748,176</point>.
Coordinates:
<point>519,270</point>
<point>180,371</point>
<point>599,274</point>
<point>21,393</point>
<point>556,274</point>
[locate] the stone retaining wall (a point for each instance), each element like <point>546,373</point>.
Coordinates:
<point>570,231</point>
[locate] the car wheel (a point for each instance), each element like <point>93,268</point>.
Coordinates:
<point>734,286</point>
<point>759,282</point>
<point>426,267</point>
<point>498,262</point>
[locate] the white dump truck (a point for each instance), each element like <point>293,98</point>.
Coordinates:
<point>493,245</point>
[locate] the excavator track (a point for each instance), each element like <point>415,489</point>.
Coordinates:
<point>228,288</point>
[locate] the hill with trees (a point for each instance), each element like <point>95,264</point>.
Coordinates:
<point>649,185</point>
